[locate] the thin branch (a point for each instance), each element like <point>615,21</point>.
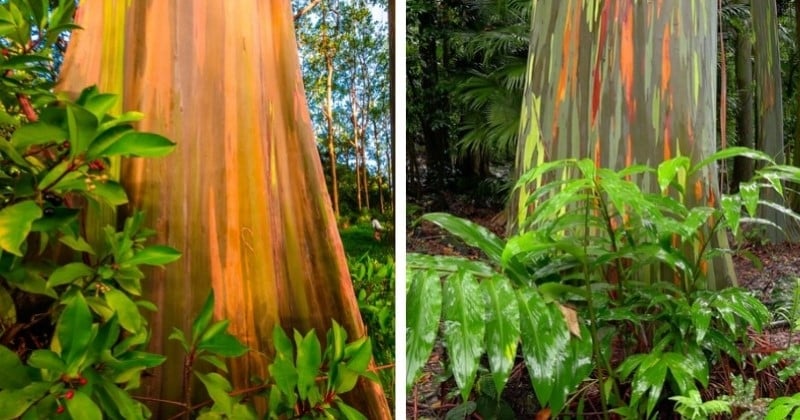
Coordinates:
<point>306,9</point>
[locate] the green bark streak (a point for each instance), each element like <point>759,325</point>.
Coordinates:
<point>623,82</point>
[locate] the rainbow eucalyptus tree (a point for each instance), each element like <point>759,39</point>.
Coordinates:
<point>624,82</point>
<point>244,196</point>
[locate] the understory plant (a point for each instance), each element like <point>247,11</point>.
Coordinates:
<point>604,282</point>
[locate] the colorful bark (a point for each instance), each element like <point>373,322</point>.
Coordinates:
<point>623,82</point>
<point>243,197</point>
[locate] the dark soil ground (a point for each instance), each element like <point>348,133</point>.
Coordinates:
<point>769,272</point>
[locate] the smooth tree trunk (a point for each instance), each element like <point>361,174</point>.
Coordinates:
<point>623,82</point>
<point>330,52</point>
<point>769,106</point>
<point>243,197</point>
<point>743,168</point>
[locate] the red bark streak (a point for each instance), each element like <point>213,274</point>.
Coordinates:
<point>596,72</point>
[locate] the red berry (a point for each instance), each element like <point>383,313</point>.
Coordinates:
<point>60,409</point>
<point>82,380</point>
<point>69,394</point>
<point>97,165</point>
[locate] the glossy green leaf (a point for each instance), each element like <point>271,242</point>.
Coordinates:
<point>218,388</point>
<point>349,413</point>
<point>135,143</point>
<point>545,340</point>
<point>423,312</point>
<point>77,243</point>
<point>74,330</point>
<point>47,359</point>
<point>730,152</point>
<point>82,127</point>
<point>128,408</point>
<point>749,192</point>
<point>471,233</point>
<point>309,361</point>
<point>16,222</point>
<point>110,192</point>
<point>81,406</point>
<point>282,370</point>
<point>464,326</point>
<point>68,273</point>
<point>37,133</point>
<point>203,318</point>
<point>448,264</point>
<point>155,255</point>
<point>502,328</point>
<point>100,104</point>
<point>223,344</point>
<point>127,312</point>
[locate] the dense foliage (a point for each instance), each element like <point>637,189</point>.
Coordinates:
<point>604,287</point>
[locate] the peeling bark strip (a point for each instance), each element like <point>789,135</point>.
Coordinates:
<point>620,82</point>
<point>243,197</point>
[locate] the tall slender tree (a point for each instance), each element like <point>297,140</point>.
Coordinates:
<point>769,106</point>
<point>622,82</point>
<point>244,197</point>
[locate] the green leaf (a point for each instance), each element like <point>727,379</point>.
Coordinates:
<point>47,359</point>
<point>749,192</point>
<point>218,388</point>
<point>77,243</point>
<point>224,345</point>
<point>669,169</point>
<point>203,318</point>
<point>135,143</point>
<point>68,273</point>
<point>74,331</point>
<point>127,312</point>
<point>309,361</point>
<point>464,310</point>
<point>37,133</point>
<point>100,104</point>
<point>110,192</point>
<point>16,222</point>
<point>502,328</point>
<point>732,152</point>
<point>14,374</point>
<point>156,255</point>
<point>82,126</point>
<point>471,233</point>
<point>348,412</point>
<point>14,402</point>
<point>448,264</point>
<point>128,408</point>
<point>283,345</point>
<point>282,369</point>
<point>423,311</point>
<point>82,407</point>
<point>545,339</point>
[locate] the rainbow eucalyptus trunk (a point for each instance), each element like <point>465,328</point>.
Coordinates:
<point>243,197</point>
<point>769,106</point>
<point>623,82</point>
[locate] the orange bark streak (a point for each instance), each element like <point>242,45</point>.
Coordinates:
<point>626,55</point>
<point>698,190</point>
<point>597,154</point>
<point>666,65</point>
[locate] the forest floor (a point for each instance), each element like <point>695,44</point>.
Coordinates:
<point>769,272</point>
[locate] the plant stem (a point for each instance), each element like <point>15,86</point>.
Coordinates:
<point>188,362</point>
